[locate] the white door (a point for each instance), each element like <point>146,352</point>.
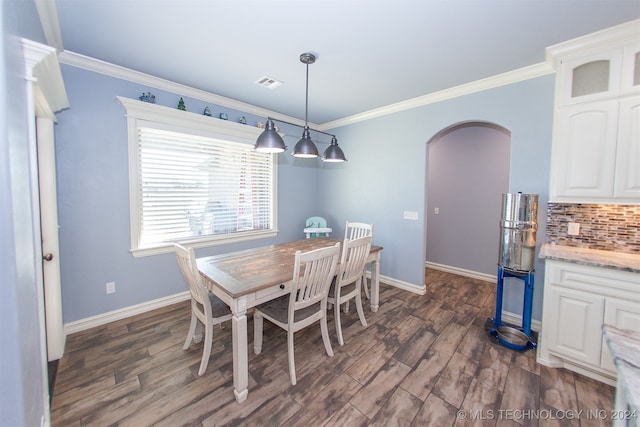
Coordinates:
<point>50,247</point>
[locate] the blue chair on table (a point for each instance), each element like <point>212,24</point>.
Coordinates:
<point>316,226</point>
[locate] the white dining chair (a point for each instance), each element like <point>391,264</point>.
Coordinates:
<point>206,308</point>
<point>349,279</point>
<point>355,230</point>
<point>305,305</point>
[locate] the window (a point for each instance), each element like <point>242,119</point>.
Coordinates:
<point>195,179</point>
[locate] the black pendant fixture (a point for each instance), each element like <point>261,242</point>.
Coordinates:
<point>333,153</point>
<point>270,141</point>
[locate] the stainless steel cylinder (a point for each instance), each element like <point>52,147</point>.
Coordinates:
<point>518,226</point>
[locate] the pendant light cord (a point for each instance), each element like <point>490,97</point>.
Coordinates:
<point>306,105</point>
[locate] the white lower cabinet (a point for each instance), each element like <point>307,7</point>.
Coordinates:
<point>578,299</point>
<point>578,315</point>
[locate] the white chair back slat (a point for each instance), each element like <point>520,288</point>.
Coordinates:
<point>356,230</point>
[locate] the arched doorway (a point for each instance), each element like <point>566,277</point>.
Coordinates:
<point>467,172</point>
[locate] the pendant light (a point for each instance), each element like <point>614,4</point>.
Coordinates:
<point>333,153</point>
<point>305,147</point>
<point>270,140</point>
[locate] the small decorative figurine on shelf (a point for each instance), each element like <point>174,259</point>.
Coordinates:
<point>243,120</point>
<point>148,97</point>
<point>207,111</point>
<point>260,125</point>
<point>181,105</point>
<point>224,116</point>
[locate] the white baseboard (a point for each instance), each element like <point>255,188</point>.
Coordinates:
<point>516,319</point>
<point>123,313</point>
<point>462,272</point>
<point>555,362</point>
<point>405,286</point>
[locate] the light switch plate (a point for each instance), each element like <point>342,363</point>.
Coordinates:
<point>111,287</point>
<point>412,215</point>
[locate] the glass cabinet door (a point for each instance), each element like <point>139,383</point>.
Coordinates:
<point>592,77</point>
<point>631,70</point>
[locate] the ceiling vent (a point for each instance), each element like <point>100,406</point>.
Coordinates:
<point>268,82</point>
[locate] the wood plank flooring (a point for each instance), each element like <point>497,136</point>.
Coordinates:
<point>422,361</point>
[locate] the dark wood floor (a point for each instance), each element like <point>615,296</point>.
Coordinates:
<point>422,361</point>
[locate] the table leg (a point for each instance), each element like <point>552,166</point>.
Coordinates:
<point>240,351</point>
<point>375,284</point>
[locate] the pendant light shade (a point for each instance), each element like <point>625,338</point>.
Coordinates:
<point>269,140</point>
<point>305,147</point>
<point>333,153</point>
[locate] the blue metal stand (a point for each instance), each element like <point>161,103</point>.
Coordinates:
<point>528,278</point>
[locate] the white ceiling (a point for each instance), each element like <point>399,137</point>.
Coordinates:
<point>370,53</point>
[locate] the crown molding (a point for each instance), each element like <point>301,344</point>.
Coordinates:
<point>43,69</point>
<point>504,79</point>
<point>48,14</point>
<point>108,69</point>
<point>604,39</point>
<point>102,67</point>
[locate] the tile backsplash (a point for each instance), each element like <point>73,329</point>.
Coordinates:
<point>606,227</point>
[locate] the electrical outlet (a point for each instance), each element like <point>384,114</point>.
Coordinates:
<point>573,229</point>
<point>413,215</point>
<point>111,287</point>
<point>436,211</point>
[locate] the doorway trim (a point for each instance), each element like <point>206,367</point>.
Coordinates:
<point>45,95</point>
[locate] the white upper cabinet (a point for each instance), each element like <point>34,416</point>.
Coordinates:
<point>596,139</point>
<point>585,162</point>
<point>627,178</point>
<point>609,73</point>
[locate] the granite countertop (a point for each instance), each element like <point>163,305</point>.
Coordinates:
<point>625,349</point>
<point>595,257</point>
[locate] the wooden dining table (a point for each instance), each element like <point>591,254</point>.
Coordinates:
<point>245,279</point>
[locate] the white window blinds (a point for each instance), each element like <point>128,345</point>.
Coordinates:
<point>195,179</point>
<point>193,187</point>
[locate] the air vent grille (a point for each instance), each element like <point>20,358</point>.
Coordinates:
<point>268,82</point>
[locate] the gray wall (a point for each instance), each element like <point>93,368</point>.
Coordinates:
<point>468,170</point>
<point>21,378</point>
<point>386,172</point>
